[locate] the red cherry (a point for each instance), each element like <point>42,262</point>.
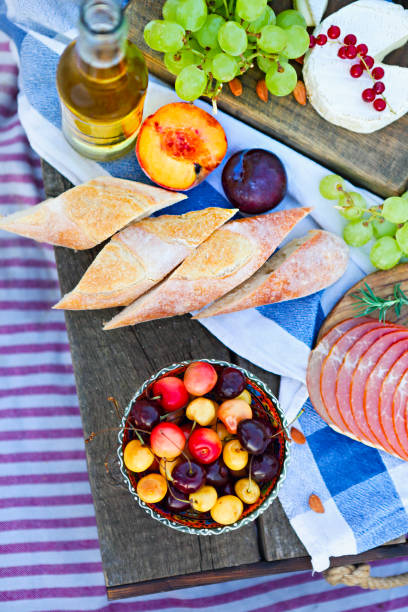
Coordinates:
<point>378,73</point>
<point>379,104</point>
<point>167,440</point>
<point>312,41</point>
<point>351,52</point>
<point>333,32</point>
<point>205,445</point>
<point>199,378</point>
<point>362,50</point>
<point>350,39</point>
<point>342,52</point>
<point>368,95</point>
<point>356,71</point>
<point>321,40</point>
<point>171,392</point>
<point>368,61</point>
<point>379,87</point>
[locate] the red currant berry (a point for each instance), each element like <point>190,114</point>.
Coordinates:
<point>368,95</point>
<point>356,71</point>
<point>362,50</point>
<point>367,62</point>
<point>379,104</point>
<point>312,41</point>
<point>379,87</point>
<point>350,39</point>
<point>342,52</point>
<point>378,73</point>
<point>351,52</point>
<point>333,32</point>
<point>321,40</point>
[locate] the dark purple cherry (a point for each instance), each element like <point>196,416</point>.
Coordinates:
<point>231,382</point>
<point>176,501</point>
<point>264,467</point>
<point>217,473</point>
<point>253,436</point>
<point>145,414</point>
<point>228,489</point>
<point>188,477</point>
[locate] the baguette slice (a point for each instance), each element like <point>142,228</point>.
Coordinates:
<point>86,215</point>
<point>228,257</point>
<point>304,266</point>
<point>140,256</point>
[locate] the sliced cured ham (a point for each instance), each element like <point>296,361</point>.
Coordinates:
<point>334,360</point>
<point>359,380</point>
<point>345,374</point>
<point>372,394</point>
<point>317,357</point>
<point>400,410</point>
<point>386,414</point>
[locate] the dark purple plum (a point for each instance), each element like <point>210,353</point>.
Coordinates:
<point>264,467</point>
<point>217,473</point>
<point>176,501</point>
<point>145,414</point>
<point>188,477</point>
<point>254,180</point>
<point>253,436</point>
<point>231,382</point>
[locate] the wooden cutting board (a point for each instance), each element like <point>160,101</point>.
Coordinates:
<point>382,283</point>
<point>376,161</point>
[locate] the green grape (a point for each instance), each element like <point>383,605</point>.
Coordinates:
<point>207,63</point>
<point>232,38</point>
<point>273,39</point>
<point>353,205</point>
<point>224,67</point>
<point>207,36</point>
<point>401,237</point>
<point>267,18</point>
<point>192,14</point>
<point>330,186</point>
<point>164,36</point>
<point>298,41</point>
<point>169,9</point>
<point>190,83</point>
<point>249,10</point>
<point>264,63</point>
<point>385,253</point>
<point>381,227</point>
<point>175,62</point>
<point>357,233</point>
<point>405,195</point>
<point>288,18</point>
<point>395,210</point>
<point>281,79</point>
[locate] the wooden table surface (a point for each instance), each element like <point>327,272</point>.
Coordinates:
<point>139,554</point>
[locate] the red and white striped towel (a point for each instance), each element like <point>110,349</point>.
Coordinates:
<point>49,553</point>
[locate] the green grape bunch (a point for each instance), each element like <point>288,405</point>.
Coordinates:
<point>207,43</point>
<point>387,223</point>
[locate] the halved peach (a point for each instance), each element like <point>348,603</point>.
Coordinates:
<point>179,145</point>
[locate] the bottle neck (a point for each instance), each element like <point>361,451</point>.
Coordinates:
<point>102,34</point>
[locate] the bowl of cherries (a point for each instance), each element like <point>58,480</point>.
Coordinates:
<point>203,447</point>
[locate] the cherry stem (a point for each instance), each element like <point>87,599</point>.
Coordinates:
<point>186,501</point>
<point>131,428</point>
<point>181,451</point>
<point>290,423</point>
<point>250,475</point>
<point>115,403</point>
<point>166,416</point>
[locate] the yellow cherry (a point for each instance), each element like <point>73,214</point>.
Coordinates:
<point>247,490</point>
<point>152,488</point>
<point>203,499</point>
<point>232,411</point>
<point>235,457</point>
<point>246,396</point>
<point>167,466</point>
<point>227,510</point>
<point>137,456</point>
<point>201,410</point>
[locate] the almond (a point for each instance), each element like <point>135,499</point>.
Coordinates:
<point>316,504</point>
<point>300,93</point>
<point>297,436</point>
<point>236,87</point>
<point>262,90</point>
<point>300,59</point>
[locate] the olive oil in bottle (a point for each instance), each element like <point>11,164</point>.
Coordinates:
<point>102,81</point>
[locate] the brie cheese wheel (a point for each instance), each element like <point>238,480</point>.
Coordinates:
<point>333,92</point>
<point>312,10</point>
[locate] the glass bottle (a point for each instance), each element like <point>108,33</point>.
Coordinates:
<point>102,81</point>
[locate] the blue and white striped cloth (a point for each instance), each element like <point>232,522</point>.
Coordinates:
<point>365,492</point>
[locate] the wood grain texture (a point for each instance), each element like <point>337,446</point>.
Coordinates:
<point>382,283</point>
<point>365,159</point>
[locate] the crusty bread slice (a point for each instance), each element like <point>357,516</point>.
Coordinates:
<point>228,257</point>
<point>86,215</point>
<point>304,266</point>
<point>140,256</point>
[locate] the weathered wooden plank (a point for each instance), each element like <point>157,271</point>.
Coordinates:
<point>376,161</point>
<point>134,547</point>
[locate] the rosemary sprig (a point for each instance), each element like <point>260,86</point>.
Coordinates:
<point>367,302</point>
